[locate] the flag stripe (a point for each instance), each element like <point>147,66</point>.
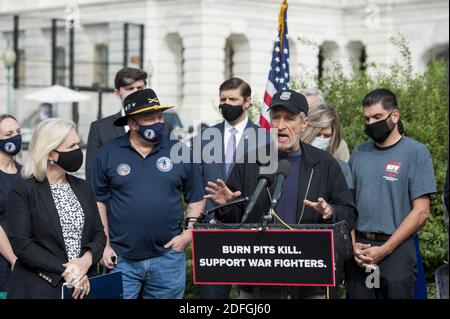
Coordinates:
<point>279,67</point>
<point>264,123</point>
<point>267,99</point>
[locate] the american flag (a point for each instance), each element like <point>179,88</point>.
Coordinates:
<point>279,68</point>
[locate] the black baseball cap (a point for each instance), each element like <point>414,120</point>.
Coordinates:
<point>293,101</point>
<point>142,101</point>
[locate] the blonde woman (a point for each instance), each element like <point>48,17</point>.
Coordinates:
<point>10,145</point>
<point>52,217</point>
<point>324,132</point>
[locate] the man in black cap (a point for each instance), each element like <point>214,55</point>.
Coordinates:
<point>315,190</point>
<point>139,191</point>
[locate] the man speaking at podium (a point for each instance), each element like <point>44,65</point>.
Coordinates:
<point>315,191</point>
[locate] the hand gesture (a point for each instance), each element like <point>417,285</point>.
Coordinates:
<point>321,206</point>
<point>220,193</point>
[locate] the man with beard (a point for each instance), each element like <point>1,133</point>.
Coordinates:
<point>314,192</point>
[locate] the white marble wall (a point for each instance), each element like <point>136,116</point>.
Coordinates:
<point>185,41</point>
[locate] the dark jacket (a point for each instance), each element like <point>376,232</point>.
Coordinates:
<point>214,171</point>
<point>320,176</point>
<point>35,232</point>
<point>102,131</point>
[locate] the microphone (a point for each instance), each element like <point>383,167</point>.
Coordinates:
<point>204,216</point>
<point>282,172</point>
<point>264,181</point>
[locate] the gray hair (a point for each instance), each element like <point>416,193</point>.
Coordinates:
<point>314,92</point>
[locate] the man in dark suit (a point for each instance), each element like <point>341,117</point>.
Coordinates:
<point>237,135</point>
<point>127,81</point>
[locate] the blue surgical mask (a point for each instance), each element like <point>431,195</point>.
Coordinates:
<point>11,145</point>
<point>151,133</point>
<point>321,143</point>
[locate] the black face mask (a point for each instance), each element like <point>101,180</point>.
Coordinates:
<point>379,131</point>
<point>70,161</point>
<point>231,112</point>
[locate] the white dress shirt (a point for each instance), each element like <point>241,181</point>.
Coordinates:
<point>239,131</point>
<point>126,127</point>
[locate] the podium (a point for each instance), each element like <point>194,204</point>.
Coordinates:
<point>249,254</point>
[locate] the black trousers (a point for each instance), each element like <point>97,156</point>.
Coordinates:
<point>277,292</point>
<point>5,274</point>
<point>215,291</point>
<point>397,274</point>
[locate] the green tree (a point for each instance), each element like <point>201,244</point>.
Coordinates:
<point>423,104</point>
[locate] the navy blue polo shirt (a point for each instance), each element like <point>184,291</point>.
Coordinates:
<point>144,195</point>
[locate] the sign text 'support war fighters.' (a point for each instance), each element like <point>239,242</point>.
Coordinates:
<point>275,257</point>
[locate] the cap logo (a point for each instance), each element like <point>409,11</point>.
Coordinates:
<point>129,106</point>
<point>164,164</point>
<point>155,100</point>
<point>285,96</point>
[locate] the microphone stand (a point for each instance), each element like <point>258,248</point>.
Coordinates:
<point>203,216</point>
<point>268,217</point>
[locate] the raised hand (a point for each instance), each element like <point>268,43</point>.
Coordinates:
<point>220,193</point>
